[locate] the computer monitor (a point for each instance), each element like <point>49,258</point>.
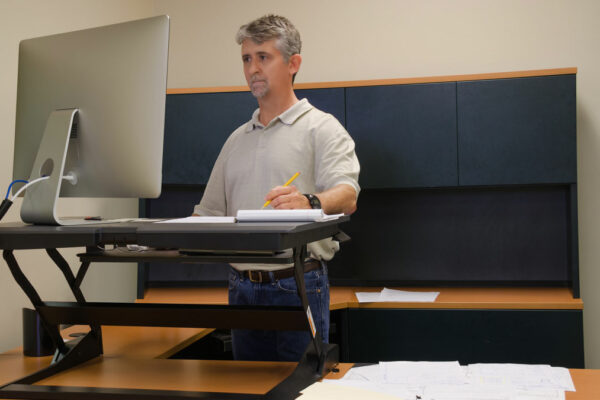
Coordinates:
<point>91,105</point>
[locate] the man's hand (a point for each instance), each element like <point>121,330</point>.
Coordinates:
<point>339,199</point>
<point>287,198</point>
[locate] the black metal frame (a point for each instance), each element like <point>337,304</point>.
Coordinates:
<point>318,359</point>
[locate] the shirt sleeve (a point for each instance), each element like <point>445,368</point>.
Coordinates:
<point>335,159</point>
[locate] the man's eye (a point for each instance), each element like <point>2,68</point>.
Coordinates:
<point>245,59</point>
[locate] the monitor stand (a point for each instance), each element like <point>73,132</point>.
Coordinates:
<point>39,204</point>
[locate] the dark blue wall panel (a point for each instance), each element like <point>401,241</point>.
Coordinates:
<point>196,126</point>
<point>328,100</point>
<point>517,131</point>
<point>405,134</point>
<point>456,235</point>
<point>482,133</point>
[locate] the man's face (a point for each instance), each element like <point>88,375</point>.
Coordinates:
<point>266,71</point>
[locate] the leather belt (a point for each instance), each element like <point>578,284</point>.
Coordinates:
<point>265,276</point>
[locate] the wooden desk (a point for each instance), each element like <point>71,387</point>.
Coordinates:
<point>119,341</point>
<point>135,357</point>
<point>232,376</point>
<point>139,370</point>
<point>587,384</point>
<point>242,377</point>
<point>537,298</point>
<point>513,298</point>
<point>507,324</point>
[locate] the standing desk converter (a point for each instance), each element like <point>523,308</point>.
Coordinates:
<point>280,242</point>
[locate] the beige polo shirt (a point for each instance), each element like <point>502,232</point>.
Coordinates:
<point>256,158</point>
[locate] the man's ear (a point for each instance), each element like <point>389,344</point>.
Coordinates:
<point>294,63</point>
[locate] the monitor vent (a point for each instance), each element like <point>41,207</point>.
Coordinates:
<point>74,130</point>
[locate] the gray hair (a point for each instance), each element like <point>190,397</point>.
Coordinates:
<point>272,27</point>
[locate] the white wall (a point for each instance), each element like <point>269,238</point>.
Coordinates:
<point>25,19</point>
<point>342,40</point>
<point>357,39</point>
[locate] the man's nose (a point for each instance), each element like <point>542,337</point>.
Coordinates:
<point>253,67</point>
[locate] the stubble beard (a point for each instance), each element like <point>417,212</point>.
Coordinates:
<point>259,87</point>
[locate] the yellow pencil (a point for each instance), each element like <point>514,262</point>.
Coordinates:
<point>286,184</point>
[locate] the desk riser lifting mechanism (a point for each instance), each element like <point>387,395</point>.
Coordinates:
<point>318,359</point>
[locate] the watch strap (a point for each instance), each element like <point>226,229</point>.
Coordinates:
<point>313,200</point>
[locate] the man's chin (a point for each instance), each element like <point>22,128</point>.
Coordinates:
<point>259,89</point>
<point>259,93</point>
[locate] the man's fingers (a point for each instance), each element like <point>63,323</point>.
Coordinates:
<point>290,201</point>
<point>279,201</point>
<point>279,191</point>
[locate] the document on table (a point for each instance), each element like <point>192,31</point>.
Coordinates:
<point>450,381</point>
<point>522,375</point>
<point>368,297</point>
<point>393,295</point>
<point>371,378</point>
<point>316,215</point>
<point>489,392</point>
<point>367,373</point>
<point>199,220</point>
<point>422,373</point>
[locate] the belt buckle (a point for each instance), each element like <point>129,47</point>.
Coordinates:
<point>259,280</point>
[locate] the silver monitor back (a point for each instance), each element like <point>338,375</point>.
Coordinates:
<point>116,77</point>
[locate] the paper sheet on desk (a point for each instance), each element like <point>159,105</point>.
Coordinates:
<point>199,220</point>
<point>449,381</point>
<point>422,373</point>
<point>489,392</point>
<point>371,378</point>
<point>393,295</point>
<point>521,375</point>
<point>370,373</point>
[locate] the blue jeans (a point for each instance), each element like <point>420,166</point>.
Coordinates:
<point>260,345</point>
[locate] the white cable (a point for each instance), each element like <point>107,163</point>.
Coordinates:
<point>29,184</point>
<point>69,178</point>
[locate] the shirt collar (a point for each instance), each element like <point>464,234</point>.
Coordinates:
<point>288,117</point>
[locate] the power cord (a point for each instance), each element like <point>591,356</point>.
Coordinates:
<point>6,203</point>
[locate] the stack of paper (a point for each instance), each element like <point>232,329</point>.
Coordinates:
<point>371,378</point>
<point>450,381</point>
<point>301,215</point>
<point>423,373</point>
<point>391,295</point>
<point>521,375</point>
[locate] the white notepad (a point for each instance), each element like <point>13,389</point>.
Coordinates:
<point>398,296</point>
<point>302,215</point>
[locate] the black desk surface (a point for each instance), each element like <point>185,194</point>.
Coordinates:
<point>274,236</point>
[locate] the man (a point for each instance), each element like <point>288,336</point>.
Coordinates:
<point>283,137</point>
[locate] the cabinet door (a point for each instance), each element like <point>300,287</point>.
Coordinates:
<point>405,134</point>
<point>196,126</point>
<point>517,131</point>
<point>468,336</point>
<point>474,235</point>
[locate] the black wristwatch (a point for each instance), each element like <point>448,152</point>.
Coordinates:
<point>313,201</point>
